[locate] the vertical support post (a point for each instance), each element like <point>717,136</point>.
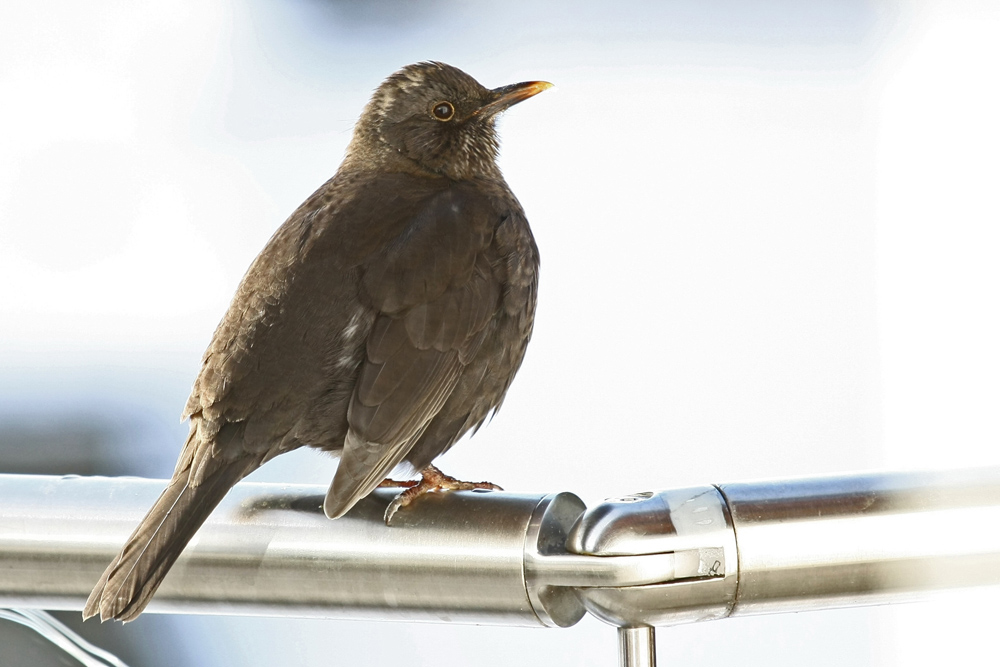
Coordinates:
<point>636,647</point>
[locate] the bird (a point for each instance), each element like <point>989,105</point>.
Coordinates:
<point>383,320</point>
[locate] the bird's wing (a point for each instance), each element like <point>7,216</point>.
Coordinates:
<point>296,328</point>
<point>435,293</point>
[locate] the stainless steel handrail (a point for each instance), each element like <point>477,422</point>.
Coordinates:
<point>639,561</point>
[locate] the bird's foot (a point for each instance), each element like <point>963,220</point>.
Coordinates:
<point>432,480</point>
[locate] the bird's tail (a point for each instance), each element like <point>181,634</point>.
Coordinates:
<point>134,575</point>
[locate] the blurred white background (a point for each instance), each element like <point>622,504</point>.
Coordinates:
<point>769,236</point>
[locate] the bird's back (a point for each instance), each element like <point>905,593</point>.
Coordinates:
<point>286,358</point>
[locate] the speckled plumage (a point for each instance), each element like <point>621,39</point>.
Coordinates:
<point>383,320</point>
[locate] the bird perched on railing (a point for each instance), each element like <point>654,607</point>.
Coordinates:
<point>382,321</point>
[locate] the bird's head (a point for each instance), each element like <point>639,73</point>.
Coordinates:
<point>439,117</point>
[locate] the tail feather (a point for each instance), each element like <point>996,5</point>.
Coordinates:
<point>132,578</point>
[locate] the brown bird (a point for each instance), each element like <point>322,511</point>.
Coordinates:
<point>382,321</point>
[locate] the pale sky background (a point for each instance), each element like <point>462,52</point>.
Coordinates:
<point>769,237</point>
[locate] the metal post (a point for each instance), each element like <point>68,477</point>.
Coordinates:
<point>636,647</point>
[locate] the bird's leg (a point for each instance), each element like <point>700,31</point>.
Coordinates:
<point>397,483</point>
<point>432,480</point>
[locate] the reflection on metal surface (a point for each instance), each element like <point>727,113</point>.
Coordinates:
<point>269,550</point>
<point>647,559</point>
<point>690,525</point>
<point>866,539</point>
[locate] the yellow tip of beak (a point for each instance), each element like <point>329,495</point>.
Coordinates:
<point>507,96</point>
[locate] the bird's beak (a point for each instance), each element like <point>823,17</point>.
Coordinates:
<point>507,96</point>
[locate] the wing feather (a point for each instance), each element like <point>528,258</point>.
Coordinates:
<point>437,294</point>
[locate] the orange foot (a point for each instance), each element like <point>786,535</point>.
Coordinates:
<point>432,480</point>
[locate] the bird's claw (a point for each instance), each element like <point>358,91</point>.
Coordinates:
<point>393,507</point>
<point>432,480</point>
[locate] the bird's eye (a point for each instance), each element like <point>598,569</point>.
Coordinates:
<point>443,111</point>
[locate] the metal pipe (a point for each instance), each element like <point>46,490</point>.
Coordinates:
<point>636,647</point>
<point>865,539</point>
<point>648,559</point>
<point>268,549</point>
<point>796,545</point>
